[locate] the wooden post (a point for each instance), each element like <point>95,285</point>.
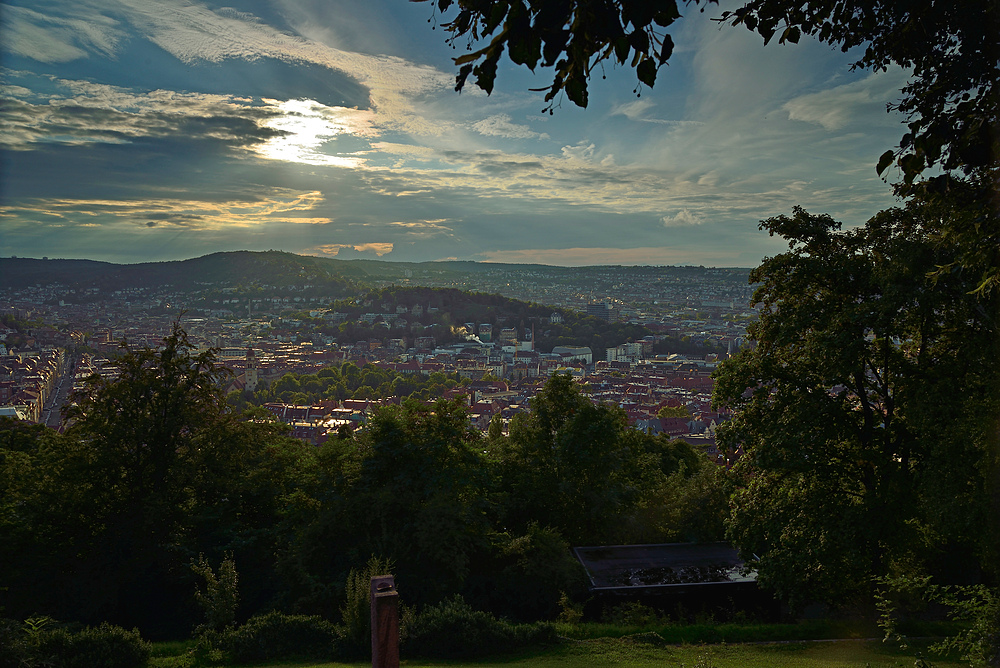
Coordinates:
<point>385,622</point>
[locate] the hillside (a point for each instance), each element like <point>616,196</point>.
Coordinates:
<point>446,310</point>
<point>225,269</point>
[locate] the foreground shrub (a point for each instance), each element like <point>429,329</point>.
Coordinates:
<point>13,648</point>
<point>356,612</point>
<point>220,597</point>
<point>632,613</point>
<point>526,576</point>
<point>453,630</point>
<point>278,636</point>
<point>975,607</point>
<point>104,646</point>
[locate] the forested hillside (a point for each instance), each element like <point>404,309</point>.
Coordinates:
<point>444,313</point>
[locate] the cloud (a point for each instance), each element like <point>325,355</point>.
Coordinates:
<point>648,255</point>
<point>194,33</point>
<point>682,218</point>
<point>637,111</point>
<point>422,228</point>
<point>580,152</point>
<point>378,249</point>
<point>500,125</point>
<point>278,205</point>
<point>835,107</point>
<point>304,127</point>
<point>49,38</point>
<point>80,112</point>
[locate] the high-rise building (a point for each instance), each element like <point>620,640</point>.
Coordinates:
<point>600,310</point>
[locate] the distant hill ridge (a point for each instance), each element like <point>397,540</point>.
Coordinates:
<point>227,268</point>
<point>275,268</point>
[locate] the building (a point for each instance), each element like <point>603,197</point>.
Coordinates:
<point>575,354</point>
<point>600,310</point>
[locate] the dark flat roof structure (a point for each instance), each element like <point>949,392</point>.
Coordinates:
<point>634,567</point>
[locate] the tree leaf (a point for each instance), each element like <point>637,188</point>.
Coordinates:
<point>646,71</point>
<point>576,91</point>
<point>884,161</point>
<point>666,49</point>
<point>790,34</point>
<point>621,49</point>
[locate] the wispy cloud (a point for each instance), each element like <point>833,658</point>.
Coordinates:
<point>274,207</point>
<point>84,112</point>
<point>501,125</point>
<point>836,107</point>
<point>422,229</point>
<point>195,33</point>
<point>638,110</point>
<point>50,38</point>
<point>649,255</point>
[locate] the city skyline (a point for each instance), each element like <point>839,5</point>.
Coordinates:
<point>144,131</point>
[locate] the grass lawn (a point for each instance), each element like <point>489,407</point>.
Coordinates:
<point>650,650</point>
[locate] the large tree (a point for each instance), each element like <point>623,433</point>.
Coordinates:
<point>101,523</point>
<point>420,495</point>
<point>867,408</point>
<point>571,464</point>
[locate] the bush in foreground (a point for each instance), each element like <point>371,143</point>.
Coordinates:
<point>104,646</point>
<point>453,630</point>
<point>277,636</point>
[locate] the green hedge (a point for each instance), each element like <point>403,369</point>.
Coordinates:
<point>453,630</point>
<point>104,646</point>
<point>278,636</point>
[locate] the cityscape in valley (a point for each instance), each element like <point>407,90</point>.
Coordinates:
<point>644,339</point>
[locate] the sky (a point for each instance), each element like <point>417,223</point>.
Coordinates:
<point>150,130</point>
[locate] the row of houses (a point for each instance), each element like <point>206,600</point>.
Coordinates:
<point>28,380</point>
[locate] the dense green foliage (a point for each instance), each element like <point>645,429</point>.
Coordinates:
<point>871,422</point>
<point>975,607</point>
<point>454,630</point>
<point>40,643</point>
<point>348,381</point>
<point>102,522</point>
<point>220,597</point>
<point>277,636</point>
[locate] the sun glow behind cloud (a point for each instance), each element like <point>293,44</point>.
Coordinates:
<point>306,126</point>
